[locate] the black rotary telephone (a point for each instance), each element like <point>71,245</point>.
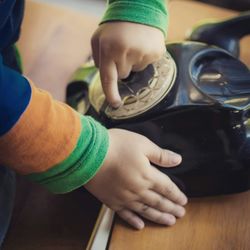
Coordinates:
<point>194,101</point>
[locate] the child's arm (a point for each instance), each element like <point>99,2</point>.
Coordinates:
<point>62,150</point>
<point>44,139</point>
<point>130,37</point>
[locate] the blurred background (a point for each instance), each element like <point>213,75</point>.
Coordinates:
<point>241,5</point>
<point>97,7</point>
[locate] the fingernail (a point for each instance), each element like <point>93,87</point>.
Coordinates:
<point>175,158</point>
<point>116,104</point>
<point>185,200</point>
<point>139,225</point>
<point>168,220</point>
<point>181,212</point>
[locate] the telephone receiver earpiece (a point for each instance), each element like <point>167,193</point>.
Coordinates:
<point>224,34</point>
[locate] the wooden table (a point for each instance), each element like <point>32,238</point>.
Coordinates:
<point>215,223</point>
<point>54,42</point>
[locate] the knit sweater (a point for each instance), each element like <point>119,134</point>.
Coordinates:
<point>42,138</point>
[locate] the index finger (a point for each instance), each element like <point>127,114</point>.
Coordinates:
<point>109,79</point>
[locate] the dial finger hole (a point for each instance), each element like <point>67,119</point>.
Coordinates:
<point>131,99</point>
<point>143,92</point>
<point>153,82</point>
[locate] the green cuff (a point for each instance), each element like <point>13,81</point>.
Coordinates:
<point>83,162</point>
<point>152,13</point>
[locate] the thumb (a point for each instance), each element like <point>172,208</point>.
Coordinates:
<point>162,157</point>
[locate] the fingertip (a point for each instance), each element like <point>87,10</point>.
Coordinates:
<point>181,212</point>
<point>182,200</point>
<point>174,158</point>
<point>168,220</point>
<point>172,221</point>
<point>185,200</point>
<point>136,222</point>
<point>112,94</point>
<point>132,219</point>
<point>116,102</point>
<point>109,80</point>
<point>139,225</point>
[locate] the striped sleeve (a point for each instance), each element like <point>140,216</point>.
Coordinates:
<point>46,140</point>
<point>149,12</point>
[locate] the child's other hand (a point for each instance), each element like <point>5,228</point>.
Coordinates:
<point>132,187</point>
<point>121,47</point>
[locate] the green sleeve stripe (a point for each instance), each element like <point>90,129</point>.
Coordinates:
<point>152,13</point>
<point>83,162</point>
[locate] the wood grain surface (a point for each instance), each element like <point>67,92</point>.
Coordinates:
<point>215,223</point>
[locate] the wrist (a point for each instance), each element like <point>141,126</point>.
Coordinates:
<point>151,13</point>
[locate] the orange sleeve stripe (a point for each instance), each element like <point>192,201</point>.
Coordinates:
<point>45,135</point>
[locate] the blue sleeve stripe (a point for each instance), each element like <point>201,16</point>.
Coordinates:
<point>15,93</point>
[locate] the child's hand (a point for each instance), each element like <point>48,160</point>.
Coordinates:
<point>132,187</point>
<point>121,47</point>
